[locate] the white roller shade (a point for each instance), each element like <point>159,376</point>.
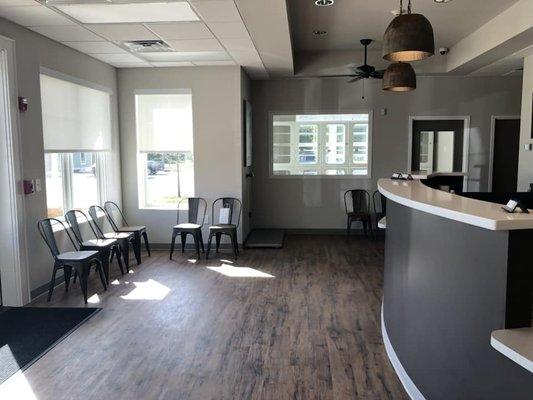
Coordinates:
<point>75,117</point>
<point>164,122</point>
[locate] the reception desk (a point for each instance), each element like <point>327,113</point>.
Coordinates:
<point>457,269</point>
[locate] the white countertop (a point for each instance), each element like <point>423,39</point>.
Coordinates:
<point>487,215</point>
<point>517,344</point>
<point>427,175</point>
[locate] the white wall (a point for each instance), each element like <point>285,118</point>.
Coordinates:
<point>525,162</point>
<point>307,203</point>
<point>216,96</point>
<point>34,51</point>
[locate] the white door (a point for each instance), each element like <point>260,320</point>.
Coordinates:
<point>426,151</point>
<point>445,145</point>
<point>13,272</point>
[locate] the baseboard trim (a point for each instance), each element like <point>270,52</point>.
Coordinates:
<point>406,381</point>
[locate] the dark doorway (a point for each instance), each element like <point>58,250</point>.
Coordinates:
<point>505,155</point>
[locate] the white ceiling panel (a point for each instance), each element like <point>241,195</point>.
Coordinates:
<point>123,13</point>
<point>173,64</point>
<point>117,58</point>
<point>229,30</point>
<point>130,64</point>
<point>18,2</point>
<point>217,11</point>
<point>123,31</point>
<point>74,33</point>
<point>34,15</point>
<point>181,30</point>
<point>214,63</point>
<point>196,45</point>
<point>188,56</point>
<point>95,47</point>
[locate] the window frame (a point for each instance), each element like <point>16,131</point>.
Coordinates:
<point>322,145</point>
<point>66,160</point>
<point>141,167</point>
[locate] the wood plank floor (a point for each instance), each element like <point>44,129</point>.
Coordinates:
<point>178,330</point>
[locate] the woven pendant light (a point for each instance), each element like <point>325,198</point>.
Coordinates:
<point>399,77</point>
<point>409,37</point>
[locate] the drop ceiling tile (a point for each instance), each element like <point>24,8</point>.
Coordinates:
<point>18,2</point>
<point>95,47</point>
<point>217,11</point>
<point>34,15</point>
<point>214,63</point>
<point>195,45</point>
<point>173,64</point>
<point>73,33</point>
<point>130,64</point>
<point>187,56</point>
<point>229,30</point>
<point>119,58</point>
<point>238,44</point>
<point>132,12</point>
<point>181,30</point>
<point>122,31</point>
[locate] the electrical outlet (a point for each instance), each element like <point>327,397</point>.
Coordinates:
<point>38,185</point>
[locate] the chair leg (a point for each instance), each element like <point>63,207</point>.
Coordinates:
<point>370,227</point>
<point>196,244</point>
<point>52,282</point>
<point>218,236</point>
<point>116,249</point>
<point>363,221</point>
<point>83,271</point>
<point>233,238</point>
<point>67,272</point>
<point>104,260</point>
<point>201,238</point>
<point>125,250</point>
<point>137,247</point>
<point>146,244</point>
<point>101,273</point>
<point>183,241</point>
<point>209,245</point>
<point>348,227</point>
<point>172,243</point>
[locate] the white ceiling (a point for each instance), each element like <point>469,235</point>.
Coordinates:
<point>199,32</point>
<point>347,21</point>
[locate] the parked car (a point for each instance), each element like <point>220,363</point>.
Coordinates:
<point>155,166</point>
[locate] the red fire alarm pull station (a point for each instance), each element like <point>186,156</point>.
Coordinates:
<point>23,104</point>
<point>29,186</point>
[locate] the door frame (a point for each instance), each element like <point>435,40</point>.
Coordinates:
<point>493,119</point>
<point>466,138</point>
<point>15,276</point>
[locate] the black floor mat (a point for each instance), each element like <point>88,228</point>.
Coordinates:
<point>27,333</point>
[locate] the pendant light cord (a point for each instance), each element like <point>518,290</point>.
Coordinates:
<point>401,7</point>
<point>409,7</point>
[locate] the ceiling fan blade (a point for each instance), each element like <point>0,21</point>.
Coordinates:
<point>355,79</point>
<point>377,74</point>
<point>333,76</point>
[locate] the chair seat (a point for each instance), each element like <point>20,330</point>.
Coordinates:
<point>77,255</point>
<point>139,228</point>
<point>117,235</point>
<point>99,242</point>
<point>222,226</point>
<point>187,226</point>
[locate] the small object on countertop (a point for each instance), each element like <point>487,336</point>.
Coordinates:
<point>512,204</point>
<point>402,177</point>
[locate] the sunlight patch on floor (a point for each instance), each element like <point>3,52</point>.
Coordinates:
<point>93,299</point>
<point>240,272</point>
<point>149,290</point>
<point>17,386</point>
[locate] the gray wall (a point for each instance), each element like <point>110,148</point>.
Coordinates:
<point>32,52</point>
<point>216,93</point>
<point>525,166</point>
<point>306,203</point>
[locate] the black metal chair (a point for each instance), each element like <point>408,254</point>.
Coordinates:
<point>228,227</point>
<point>380,206</point>
<point>79,260</point>
<point>122,226</point>
<point>360,210</point>
<point>193,226</point>
<point>124,238</point>
<point>106,247</point>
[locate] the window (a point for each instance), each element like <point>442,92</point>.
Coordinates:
<point>165,148</point>
<point>321,144</point>
<point>77,137</point>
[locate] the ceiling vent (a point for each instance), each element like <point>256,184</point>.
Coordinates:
<point>147,46</point>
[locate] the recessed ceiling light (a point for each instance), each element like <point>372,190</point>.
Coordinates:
<point>442,1</point>
<point>324,3</point>
<point>318,32</point>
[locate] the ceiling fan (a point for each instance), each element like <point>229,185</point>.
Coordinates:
<point>364,71</point>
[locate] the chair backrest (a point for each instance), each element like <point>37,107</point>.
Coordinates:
<point>73,218</point>
<point>234,207</point>
<point>196,211</point>
<point>360,200</point>
<point>114,214</point>
<point>96,212</point>
<point>380,203</point>
<point>46,230</point>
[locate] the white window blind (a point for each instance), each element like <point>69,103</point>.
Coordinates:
<point>75,117</point>
<point>164,122</point>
